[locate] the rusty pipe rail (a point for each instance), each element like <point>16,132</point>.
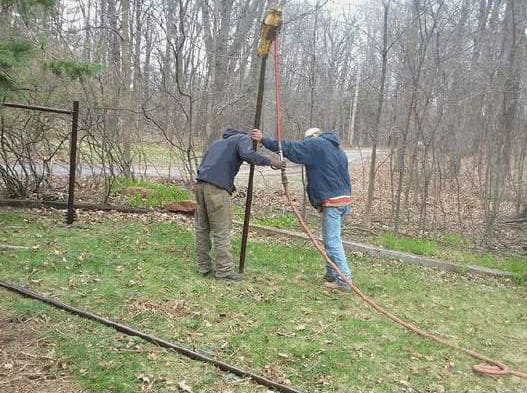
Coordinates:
<point>147,337</point>
<point>36,108</point>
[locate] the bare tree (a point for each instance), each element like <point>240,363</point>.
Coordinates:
<point>378,113</point>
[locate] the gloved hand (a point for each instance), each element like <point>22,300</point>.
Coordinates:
<point>276,163</point>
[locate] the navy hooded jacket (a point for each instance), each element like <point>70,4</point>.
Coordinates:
<point>224,157</point>
<point>326,165</point>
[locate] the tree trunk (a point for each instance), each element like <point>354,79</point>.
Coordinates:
<point>378,113</point>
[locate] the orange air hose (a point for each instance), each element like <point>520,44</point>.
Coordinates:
<point>492,368</point>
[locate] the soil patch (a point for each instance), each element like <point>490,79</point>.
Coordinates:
<point>28,364</point>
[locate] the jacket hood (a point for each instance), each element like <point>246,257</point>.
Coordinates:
<point>230,132</point>
<point>331,137</point>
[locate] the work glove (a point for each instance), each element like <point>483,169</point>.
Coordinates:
<point>276,163</point>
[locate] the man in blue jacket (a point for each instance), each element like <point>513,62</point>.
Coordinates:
<point>328,188</point>
<point>215,184</point>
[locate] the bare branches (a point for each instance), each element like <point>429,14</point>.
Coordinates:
<point>441,93</point>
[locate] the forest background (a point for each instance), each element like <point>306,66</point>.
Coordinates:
<point>430,92</point>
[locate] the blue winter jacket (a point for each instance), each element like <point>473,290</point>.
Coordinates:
<point>224,157</point>
<point>326,165</point>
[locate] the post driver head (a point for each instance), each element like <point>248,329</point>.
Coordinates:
<point>269,30</point>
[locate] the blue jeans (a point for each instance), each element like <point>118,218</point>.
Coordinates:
<point>332,219</point>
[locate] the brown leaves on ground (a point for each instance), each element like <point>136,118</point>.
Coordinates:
<point>171,308</point>
<point>273,372</point>
<point>28,364</point>
<point>455,208</point>
<point>86,217</point>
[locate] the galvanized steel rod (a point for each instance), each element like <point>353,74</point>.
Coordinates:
<point>147,337</point>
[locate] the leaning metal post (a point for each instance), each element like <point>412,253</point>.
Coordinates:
<point>268,32</point>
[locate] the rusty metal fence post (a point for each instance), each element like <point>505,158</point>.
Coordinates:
<point>70,215</point>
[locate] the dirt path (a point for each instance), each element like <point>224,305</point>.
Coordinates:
<point>28,364</point>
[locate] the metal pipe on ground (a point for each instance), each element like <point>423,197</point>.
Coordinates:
<point>33,204</point>
<point>152,339</point>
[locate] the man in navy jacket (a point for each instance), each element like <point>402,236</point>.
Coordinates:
<point>328,188</point>
<point>215,184</point>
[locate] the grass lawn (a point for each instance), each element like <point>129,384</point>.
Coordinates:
<point>278,322</point>
<point>452,248</point>
<point>161,195</point>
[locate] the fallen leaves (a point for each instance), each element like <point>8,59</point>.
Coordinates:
<point>184,387</point>
<point>28,364</point>
<point>147,381</point>
<point>143,378</point>
<point>172,308</point>
<point>300,327</point>
<point>274,373</point>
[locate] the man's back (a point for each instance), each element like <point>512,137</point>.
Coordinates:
<point>329,169</point>
<point>224,157</point>
<point>327,173</point>
<point>325,162</point>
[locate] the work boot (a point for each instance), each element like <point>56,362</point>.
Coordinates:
<point>328,278</point>
<point>232,276</point>
<point>206,274</point>
<point>335,286</point>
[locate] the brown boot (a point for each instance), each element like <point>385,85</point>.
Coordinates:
<point>232,276</point>
<point>335,286</point>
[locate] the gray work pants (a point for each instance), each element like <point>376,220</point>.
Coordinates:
<point>213,229</point>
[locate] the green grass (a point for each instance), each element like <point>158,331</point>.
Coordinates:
<point>163,193</point>
<point>415,246</point>
<point>451,249</point>
<point>278,322</point>
<point>238,212</point>
<point>514,264</point>
<point>267,218</point>
<point>285,221</point>
<point>454,239</point>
